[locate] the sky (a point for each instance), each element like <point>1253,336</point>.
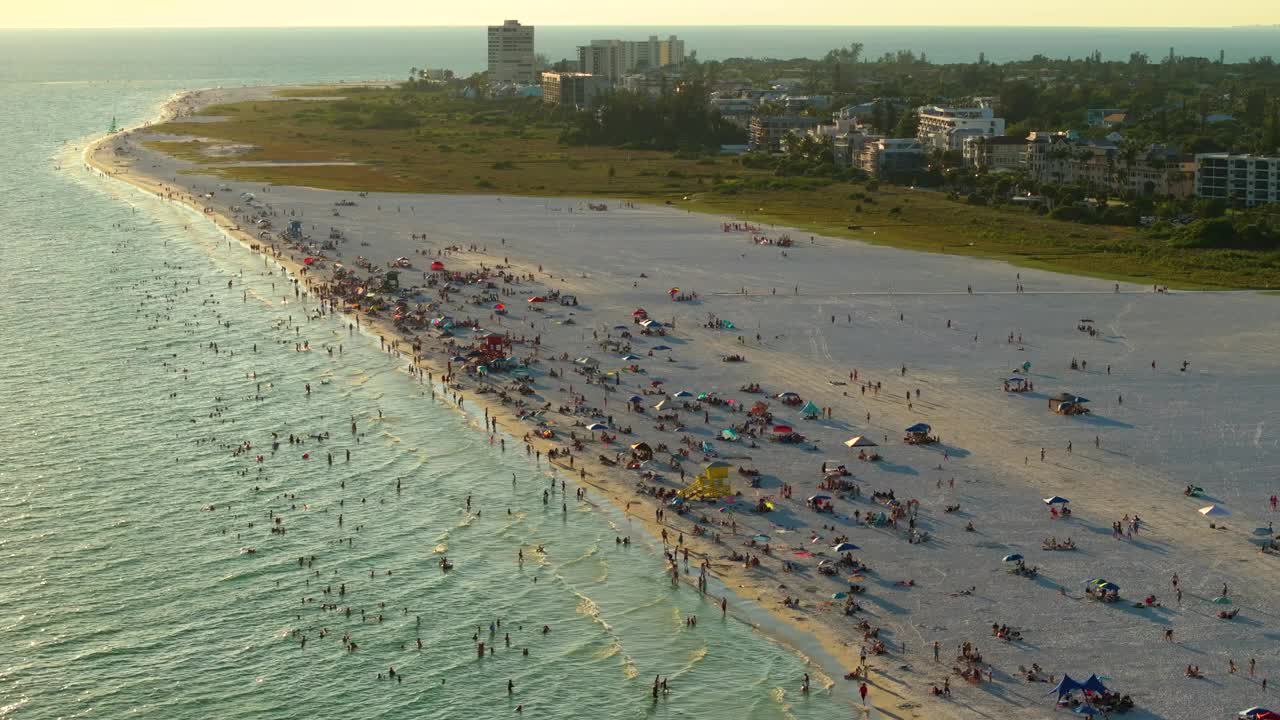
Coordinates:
<point>293,13</point>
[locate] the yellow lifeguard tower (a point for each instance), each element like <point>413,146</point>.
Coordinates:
<point>711,484</point>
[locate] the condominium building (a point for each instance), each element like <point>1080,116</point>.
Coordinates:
<point>511,56</point>
<point>572,88</point>
<point>1064,159</point>
<point>995,154</point>
<point>1241,180</point>
<point>946,128</point>
<point>889,157</point>
<point>615,58</point>
<point>766,132</point>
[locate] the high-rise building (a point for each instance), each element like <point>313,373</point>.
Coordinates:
<point>1241,180</point>
<point>615,58</point>
<point>511,56</point>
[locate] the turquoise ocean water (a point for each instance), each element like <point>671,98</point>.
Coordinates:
<point>123,596</point>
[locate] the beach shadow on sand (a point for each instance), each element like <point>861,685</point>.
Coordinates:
<point>887,466</point>
<point>1101,421</point>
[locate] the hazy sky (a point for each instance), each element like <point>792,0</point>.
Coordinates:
<point>262,13</point>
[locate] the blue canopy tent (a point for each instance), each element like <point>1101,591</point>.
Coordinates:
<point>1093,685</point>
<point>919,428</point>
<point>1056,500</point>
<point>1065,687</point>
<point>810,410</point>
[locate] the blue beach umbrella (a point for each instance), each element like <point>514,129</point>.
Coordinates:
<point>844,547</point>
<point>1012,558</point>
<point>661,347</point>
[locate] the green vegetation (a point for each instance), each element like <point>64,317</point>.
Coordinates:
<point>432,141</point>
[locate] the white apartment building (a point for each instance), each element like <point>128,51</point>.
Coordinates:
<point>995,154</point>
<point>1241,180</point>
<point>511,56</point>
<point>946,128</point>
<point>615,58</point>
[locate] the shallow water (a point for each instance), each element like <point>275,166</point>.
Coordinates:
<point>123,594</point>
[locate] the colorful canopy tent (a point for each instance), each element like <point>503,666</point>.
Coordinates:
<point>860,441</point>
<point>1065,687</point>
<point>711,484</point>
<point>1056,500</point>
<point>1214,511</point>
<point>810,410</point>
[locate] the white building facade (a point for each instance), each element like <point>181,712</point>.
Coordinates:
<point>946,128</point>
<point>1240,180</point>
<point>615,58</point>
<point>511,54</point>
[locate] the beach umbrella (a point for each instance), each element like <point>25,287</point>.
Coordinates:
<point>761,538</point>
<point>635,399</point>
<point>1252,712</point>
<point>458,358</point>
<point>661,347</point>
<point>1085,709</point>
<point>683,394</point>
<point>1221,600</point>
<point>844,547</point>
<point>839,596</point>
<point>629,357</point>
<point>1012,558</point>
<point>656,383</point>
<point>662,404</point>
<point>703,396</point>
<point>1056,500</point>
<point>860,441</point>
<point>816,498</point>
<point>619,327</point>
<point>597,426</point>
<point>537,299</point>
<point>1214,511</point>
<point>782,429</point>
<point>639,312</point>
<point>919,428</point>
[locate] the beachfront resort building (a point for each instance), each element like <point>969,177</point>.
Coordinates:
<point>891,157</point>
<point>946,128</point>
<point>511,56</point>
<point>1001,153</point>
<point>1240,180</point>
<point>1065,159</point>
<point>766,132</point>
<point>572,88</point>
<point>616,58</point>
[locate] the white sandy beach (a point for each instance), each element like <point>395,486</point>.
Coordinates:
<point>830,307</point>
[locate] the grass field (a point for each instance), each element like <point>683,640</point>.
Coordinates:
<point>431,143</point>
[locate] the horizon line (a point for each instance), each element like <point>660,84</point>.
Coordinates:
<point>1274,26</point>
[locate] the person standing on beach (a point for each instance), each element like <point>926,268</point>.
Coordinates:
<point>862,690</point>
